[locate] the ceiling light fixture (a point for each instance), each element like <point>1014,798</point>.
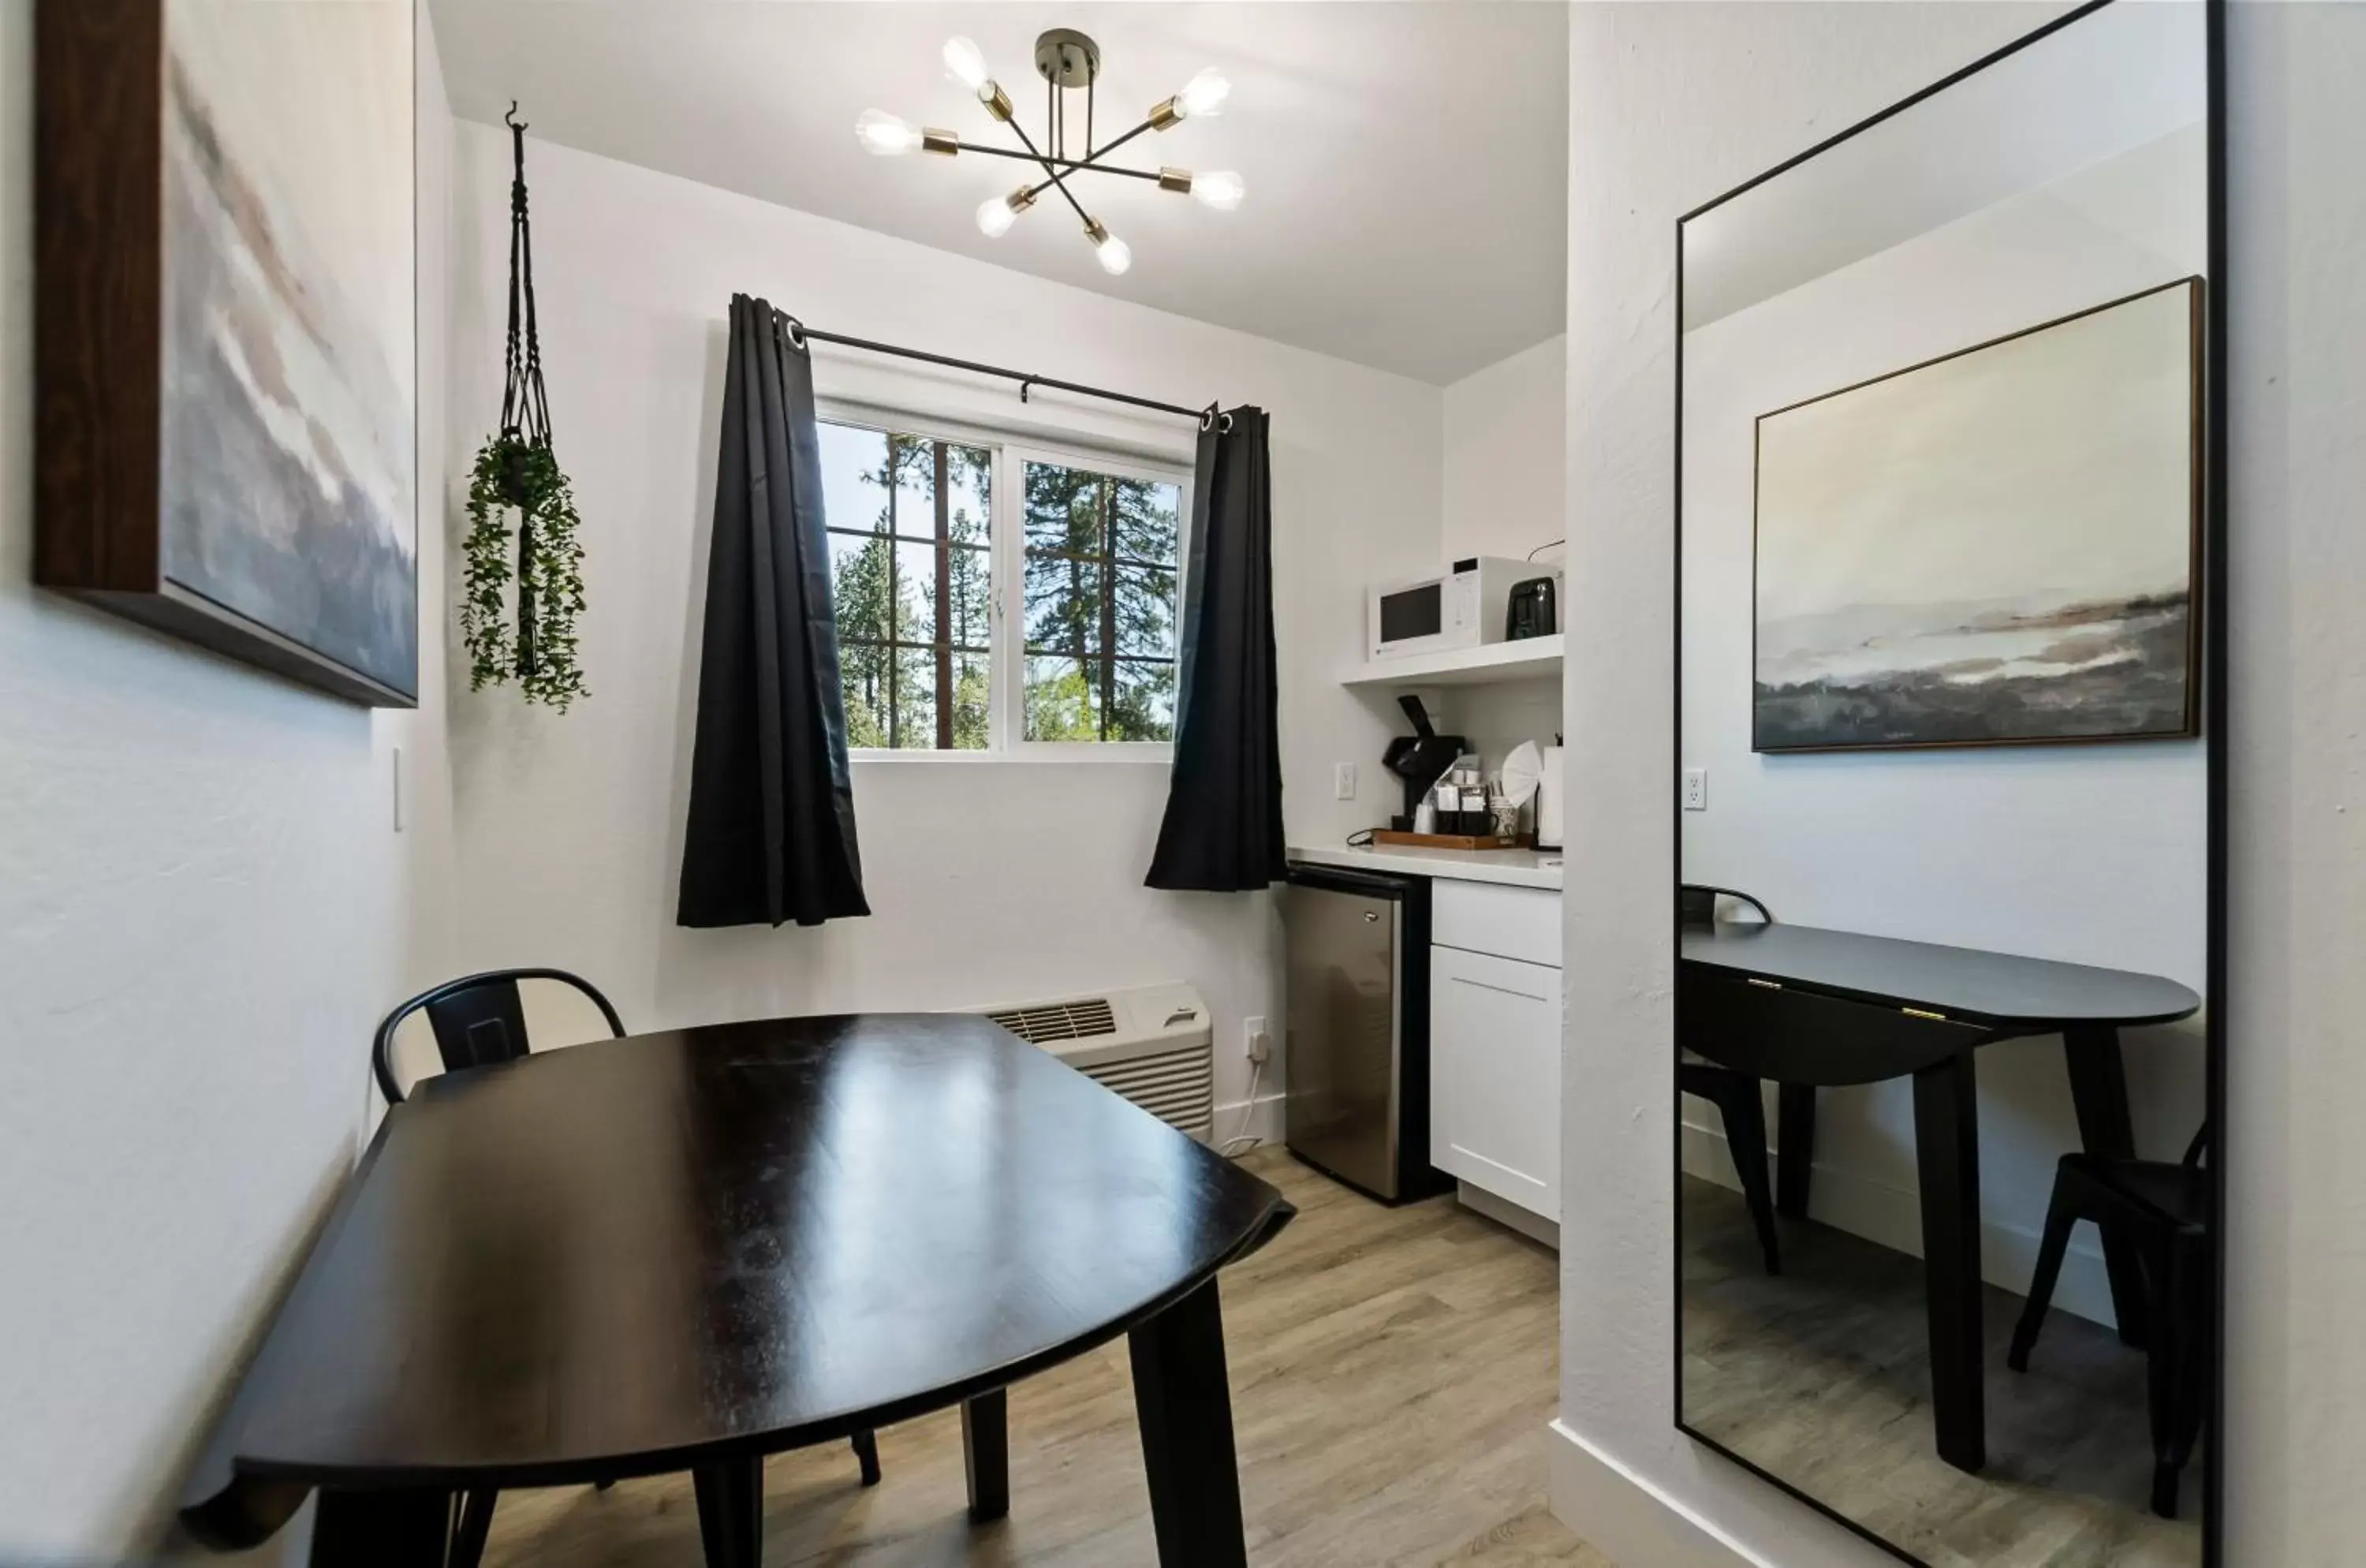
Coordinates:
<point>1068,62</point>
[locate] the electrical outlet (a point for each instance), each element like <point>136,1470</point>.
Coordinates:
<point>1696,789</point>
<point>1256,1043</point>
<point>1343,781</point>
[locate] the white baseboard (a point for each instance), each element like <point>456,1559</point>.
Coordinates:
<point>1893,1217</point>
<point>1627,1518</point>
<point>1264,1120</point>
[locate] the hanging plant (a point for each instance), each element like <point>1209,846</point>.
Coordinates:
<point>534,568</point>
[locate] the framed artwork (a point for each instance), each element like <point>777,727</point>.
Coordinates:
<point>1995,548</point>
<point>226,348</point>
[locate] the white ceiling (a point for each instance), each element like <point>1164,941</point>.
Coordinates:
<point>1405,162</point>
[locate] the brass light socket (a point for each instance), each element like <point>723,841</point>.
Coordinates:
<point>1094,233</point>
<point>1164,115</point>
<point>1174,180</point>
<point>999,104</point>
<point>1022,198</point>
<point>935,141</point>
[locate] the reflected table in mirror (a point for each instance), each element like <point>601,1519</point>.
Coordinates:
<point>1807,1009</point>
<point>691,1249</point>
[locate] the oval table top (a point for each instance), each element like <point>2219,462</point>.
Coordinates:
<point>2000,990</point>
<point>618,1257</point>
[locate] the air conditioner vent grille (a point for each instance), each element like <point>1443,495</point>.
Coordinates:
<point>1059,1021</point>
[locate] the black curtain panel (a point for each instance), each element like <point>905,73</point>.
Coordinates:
<point>772,804</point>
<point>1223,831</point>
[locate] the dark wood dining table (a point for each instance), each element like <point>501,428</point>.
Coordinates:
<point>1806,1007</point>
<point>686,1250</point>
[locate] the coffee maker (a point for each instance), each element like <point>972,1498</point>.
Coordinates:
<point>1421,759</point>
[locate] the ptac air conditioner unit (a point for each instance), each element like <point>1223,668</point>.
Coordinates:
<point>1153,1045</point>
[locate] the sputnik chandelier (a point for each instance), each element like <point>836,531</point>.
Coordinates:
<point>1068,62</point>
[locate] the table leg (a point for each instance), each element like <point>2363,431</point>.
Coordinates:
<point>985,1454</point>
<point>1947,1152</point>
<point>381,1529</point>
<point>731,1511</point>
<point>1185,1407</point>
<point>2099,1089</point>
<point>1794,1149</point>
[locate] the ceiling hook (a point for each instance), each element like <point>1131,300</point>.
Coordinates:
<point>511,118</point>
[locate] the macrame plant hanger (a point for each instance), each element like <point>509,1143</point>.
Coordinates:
<point>517,470</point>
<point>525,404</point>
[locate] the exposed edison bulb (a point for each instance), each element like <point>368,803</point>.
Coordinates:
<point>995,217</point>
<point>967,62</point>
<point>1203,95</point>
<point>1115,254</point>
<point>884,134</point>
<point>1221,190</point>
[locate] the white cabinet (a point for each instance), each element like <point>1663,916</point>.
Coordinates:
<point>1494,1054</point>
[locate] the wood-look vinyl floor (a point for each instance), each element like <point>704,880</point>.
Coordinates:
<point>1392,1370</point>
<point>1822,1377</point>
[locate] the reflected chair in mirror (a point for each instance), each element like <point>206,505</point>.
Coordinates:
<point>1740,1102</point>
<point>479,1020</point>
<point>2165,1210</point>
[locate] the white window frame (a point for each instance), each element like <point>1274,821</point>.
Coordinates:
<point>1006,556</point>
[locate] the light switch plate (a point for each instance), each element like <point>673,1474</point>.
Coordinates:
<point>1696,789</point>
<point>1343,781</point>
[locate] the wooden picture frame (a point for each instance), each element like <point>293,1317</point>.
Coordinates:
<point>225,365</point>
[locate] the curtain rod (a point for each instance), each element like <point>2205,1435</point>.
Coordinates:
<point>799,333</point>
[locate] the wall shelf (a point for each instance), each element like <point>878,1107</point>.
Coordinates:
<point>1536,658</point>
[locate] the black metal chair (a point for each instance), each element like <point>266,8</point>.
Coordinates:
<point>2165,1210</point>
<point>1740,1101</point>
<point>479,1019</point>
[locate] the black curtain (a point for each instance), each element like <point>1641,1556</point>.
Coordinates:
<point>1223,831</point>
<point>772,804</point>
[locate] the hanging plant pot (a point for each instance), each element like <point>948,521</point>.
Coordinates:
<point>523,586</point>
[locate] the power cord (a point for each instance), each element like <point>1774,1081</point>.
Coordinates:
<point>1243,1142</point>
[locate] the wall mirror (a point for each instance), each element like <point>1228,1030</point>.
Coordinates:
<point>1947,809</point>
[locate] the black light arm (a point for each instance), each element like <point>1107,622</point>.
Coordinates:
<point>1068,165</point>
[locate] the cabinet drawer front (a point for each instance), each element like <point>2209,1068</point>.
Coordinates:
<point>1510,922</point>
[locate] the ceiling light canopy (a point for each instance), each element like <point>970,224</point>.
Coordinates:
<point>1068,62</point>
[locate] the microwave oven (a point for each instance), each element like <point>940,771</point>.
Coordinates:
<point>1464,607</point>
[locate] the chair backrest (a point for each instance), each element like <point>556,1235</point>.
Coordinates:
<point>1696,903</point>
<point>478,1020</point>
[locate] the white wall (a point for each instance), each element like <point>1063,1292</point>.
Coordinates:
<point>1670,105</point>
<point>2089,855</point>
<point>1507,446</point>
<point>989,881</point>
<point>203,911</point>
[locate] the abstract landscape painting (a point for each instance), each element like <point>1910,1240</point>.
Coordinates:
<point>1995,548</point>
<point>287,412</point>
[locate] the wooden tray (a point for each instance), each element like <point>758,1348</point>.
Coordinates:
<point>1448,840</point>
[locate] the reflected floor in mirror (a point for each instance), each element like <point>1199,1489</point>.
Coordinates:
<point>1821,1376</point>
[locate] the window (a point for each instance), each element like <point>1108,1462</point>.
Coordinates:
<point>997,597</point>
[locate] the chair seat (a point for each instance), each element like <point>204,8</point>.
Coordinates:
<point>2176,1195</point>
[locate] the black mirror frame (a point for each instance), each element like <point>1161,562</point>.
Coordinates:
<point>2213,733</point>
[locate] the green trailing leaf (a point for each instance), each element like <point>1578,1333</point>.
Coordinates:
<point>534,566</point>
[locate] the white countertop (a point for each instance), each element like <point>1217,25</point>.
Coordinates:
<point>1514,868</point>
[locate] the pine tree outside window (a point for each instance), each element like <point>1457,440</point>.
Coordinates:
<point>999,598</point>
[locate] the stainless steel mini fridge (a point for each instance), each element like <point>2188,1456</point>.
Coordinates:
<point>1357,1030</point>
